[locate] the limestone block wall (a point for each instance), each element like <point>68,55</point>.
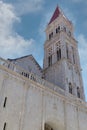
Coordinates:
<point>56,74</point>
<point>29,64</point>
<point>73,76</point>
<point>30,105</point>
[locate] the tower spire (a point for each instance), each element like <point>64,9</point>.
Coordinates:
<point>55,15</point>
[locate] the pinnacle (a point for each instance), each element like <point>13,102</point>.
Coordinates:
<point>55,15</point>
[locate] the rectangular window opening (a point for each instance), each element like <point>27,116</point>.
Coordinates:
<point>4,128</point>
<point>50,60</point>
<point>50,35</point>
<point>4,105</point>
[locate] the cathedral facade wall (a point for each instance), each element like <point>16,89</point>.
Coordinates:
<point>30,105</point>
<point>29,64</point>
<point>56,74</point>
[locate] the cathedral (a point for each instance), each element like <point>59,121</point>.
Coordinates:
<point>48,98</point>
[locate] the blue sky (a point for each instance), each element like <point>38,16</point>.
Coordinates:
<point>23,22</point>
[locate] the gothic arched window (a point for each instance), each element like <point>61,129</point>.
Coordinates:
<point>78,92</point>
<point>58,48</point>
<point>50,57</point>
<point>50,60</point>
<point>50,35</point>
<point>58,29</point>
<point>70,88</point>
<point>67,51</point>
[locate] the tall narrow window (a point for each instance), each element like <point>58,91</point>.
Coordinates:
<point>50,60</point>
<point>70,88</point>
<point>67,52</point>
<point>4,105</point>
<point>73,59</point>
<point>58,52</point>
<point>50,56</point>
<point>73,55</point>
<point>78,92</point>
<point>50,35</point>
<point>58,29</point>
<point>57,55</point>
<point>4,128</point>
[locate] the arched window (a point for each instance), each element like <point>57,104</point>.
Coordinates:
<point>50,57</point>
<point>67,51</point>
<point>70,88</point>
<point>50,60</point>
<point>58,52</point>
<point>78,92</point>
<point>58,29</point>
<point>47,127</point>
<point>50,35</point>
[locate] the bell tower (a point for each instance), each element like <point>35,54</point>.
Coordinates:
<point>61,57</point>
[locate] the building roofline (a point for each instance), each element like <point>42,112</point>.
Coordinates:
<point>26,57</point>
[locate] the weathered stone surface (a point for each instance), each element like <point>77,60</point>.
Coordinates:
<point>30,105</point>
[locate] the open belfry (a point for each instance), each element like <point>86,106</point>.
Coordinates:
<point>48,98</point>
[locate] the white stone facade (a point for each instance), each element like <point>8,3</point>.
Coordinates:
<point>31,105</point>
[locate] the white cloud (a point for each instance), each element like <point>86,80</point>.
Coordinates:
<point>11,44</point>
<point>27,6</point>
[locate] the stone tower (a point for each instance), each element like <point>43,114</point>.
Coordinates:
<point>61,57</point>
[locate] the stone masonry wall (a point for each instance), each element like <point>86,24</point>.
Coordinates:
<point>30,105</point>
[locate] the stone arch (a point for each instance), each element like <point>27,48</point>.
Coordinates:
<point>53,125</point>
<point>48,127</point>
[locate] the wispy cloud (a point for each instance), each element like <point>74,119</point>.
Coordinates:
<point>11,44</point>
<point>27,6</point>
